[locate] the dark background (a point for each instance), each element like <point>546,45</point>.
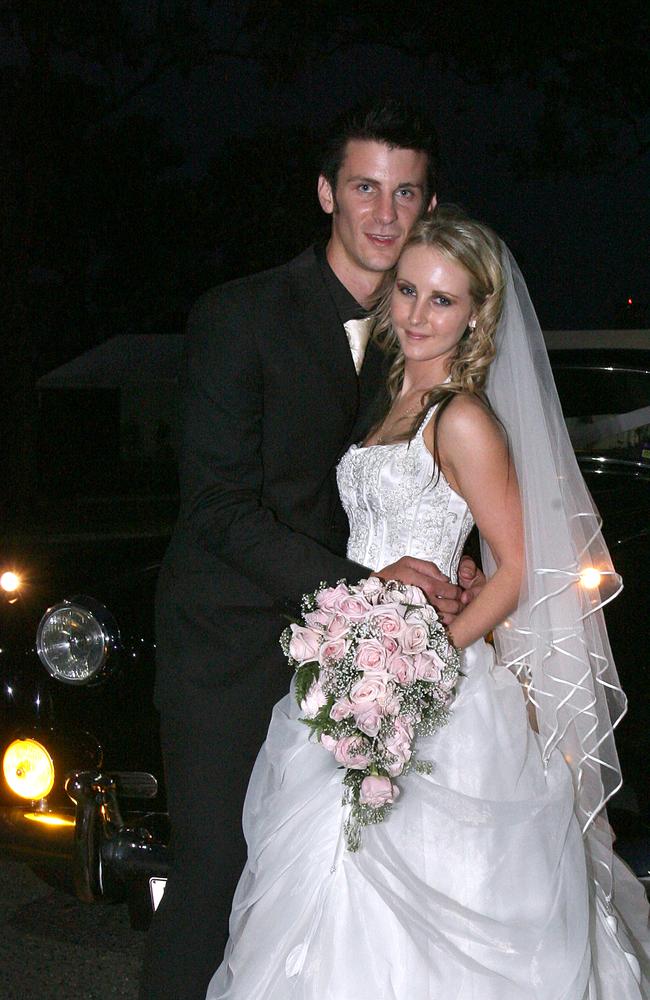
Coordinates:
<point>153,148</point>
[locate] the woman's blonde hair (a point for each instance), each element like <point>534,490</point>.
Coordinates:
<point>476,248</point>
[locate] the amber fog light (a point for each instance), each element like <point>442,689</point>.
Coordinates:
<point>28,769</point>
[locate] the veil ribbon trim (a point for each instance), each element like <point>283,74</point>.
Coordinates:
<point>556,640</point>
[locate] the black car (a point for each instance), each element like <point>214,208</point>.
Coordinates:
<point>81,792</point>
<point>79,731</point>
<point>82,785</point>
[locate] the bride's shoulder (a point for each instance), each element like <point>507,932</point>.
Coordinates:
<point>468,410</point>
<point>468,419</point>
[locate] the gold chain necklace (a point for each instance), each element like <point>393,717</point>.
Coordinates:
<point>407,413</point>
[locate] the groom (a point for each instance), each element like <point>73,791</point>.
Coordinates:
<point>278,384</point>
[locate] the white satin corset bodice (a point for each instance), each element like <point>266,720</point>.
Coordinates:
<point>398,505</point>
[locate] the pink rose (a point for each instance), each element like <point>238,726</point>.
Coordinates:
<point>401,740</point>
<point>337,625</point>
<point>372,688</point>
<point>377,791</point>
<point>426,613</point>
<point>402,667</point>
<point>333,649</point>
<point>371,655</point>
<point>368,719</point>
<point>313,700</point>
<point>407,595</point>
<point>387,596</point>
<point>413,595</point>
<point>390,644</point>
<point>368,698</point>
<point>389,621</point>
<point>428,666</point>
<point>351,751</point>
<point>341,710</point>
<point>329,598</point>
<point>372,589</point>
<point>353,607</point>
<point>392,705</point>
<point>414,638</point>
<point>318,619</point>
<point>304,644</point>
<point>328,742</point>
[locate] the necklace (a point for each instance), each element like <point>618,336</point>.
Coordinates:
<point>381,439</point>
<point>389,424</point>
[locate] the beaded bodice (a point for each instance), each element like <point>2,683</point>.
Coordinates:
<point>397,505</point>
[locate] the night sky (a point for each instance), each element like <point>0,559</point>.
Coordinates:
<point>582,241</point>
<point>96,247</point>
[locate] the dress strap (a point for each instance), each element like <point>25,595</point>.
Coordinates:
<point>427,418</point>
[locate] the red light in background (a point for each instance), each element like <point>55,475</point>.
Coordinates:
<point>629,302</point>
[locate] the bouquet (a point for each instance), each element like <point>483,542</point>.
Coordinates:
<point>374,669</point>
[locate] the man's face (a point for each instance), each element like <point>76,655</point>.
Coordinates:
<point>379,195</point>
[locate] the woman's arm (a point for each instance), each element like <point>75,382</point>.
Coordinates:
<point>475,462</point>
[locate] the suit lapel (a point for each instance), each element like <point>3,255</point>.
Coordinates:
<point>317,334</point>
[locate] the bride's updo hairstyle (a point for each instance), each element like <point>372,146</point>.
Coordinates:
<point>476,248</point>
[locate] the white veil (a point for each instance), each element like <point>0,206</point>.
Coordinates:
<point>556,640</point>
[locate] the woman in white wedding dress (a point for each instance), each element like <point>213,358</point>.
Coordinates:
<point>493,877</point>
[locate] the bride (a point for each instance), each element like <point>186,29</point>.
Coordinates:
<point>493,877</point>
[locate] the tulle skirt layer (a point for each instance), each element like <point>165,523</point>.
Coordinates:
<point>474,888</point>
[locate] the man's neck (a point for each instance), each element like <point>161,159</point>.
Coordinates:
<point>361,284</point>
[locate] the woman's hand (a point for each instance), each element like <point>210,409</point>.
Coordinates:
<point>471,580</point>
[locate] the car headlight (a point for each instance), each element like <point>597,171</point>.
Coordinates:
<point>10,582</point>
<point>28,769</point>
<point>75,640</point>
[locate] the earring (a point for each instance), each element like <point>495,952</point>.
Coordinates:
<point>472,325</point>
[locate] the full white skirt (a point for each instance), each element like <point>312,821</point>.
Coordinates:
<point>474,888</point>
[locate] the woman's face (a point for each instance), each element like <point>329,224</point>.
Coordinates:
<point>431,307</point>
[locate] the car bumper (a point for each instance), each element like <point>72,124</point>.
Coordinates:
<point>113,850</point>
<point>106,848</point>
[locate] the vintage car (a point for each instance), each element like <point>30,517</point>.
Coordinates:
<point>81,795</point>
<point>82,788</point>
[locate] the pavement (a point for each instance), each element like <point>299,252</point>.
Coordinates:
<point>53,947</point>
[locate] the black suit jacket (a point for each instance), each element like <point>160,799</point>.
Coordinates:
<point>271,402</point>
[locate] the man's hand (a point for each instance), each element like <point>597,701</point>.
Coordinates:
<point>471,580</point>
<point>443,595</point>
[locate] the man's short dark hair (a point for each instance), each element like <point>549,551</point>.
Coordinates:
<point>389,121</point>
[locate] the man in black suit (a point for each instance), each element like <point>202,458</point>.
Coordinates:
<point>272,401</point>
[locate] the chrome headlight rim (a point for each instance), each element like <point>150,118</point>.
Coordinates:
<point>110,638</point>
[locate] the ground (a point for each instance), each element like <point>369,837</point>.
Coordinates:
<point>52,947</point>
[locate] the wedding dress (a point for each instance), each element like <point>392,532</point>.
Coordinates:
<point>475,887</point>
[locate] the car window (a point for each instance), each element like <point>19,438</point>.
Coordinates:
<point>607,409</point>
